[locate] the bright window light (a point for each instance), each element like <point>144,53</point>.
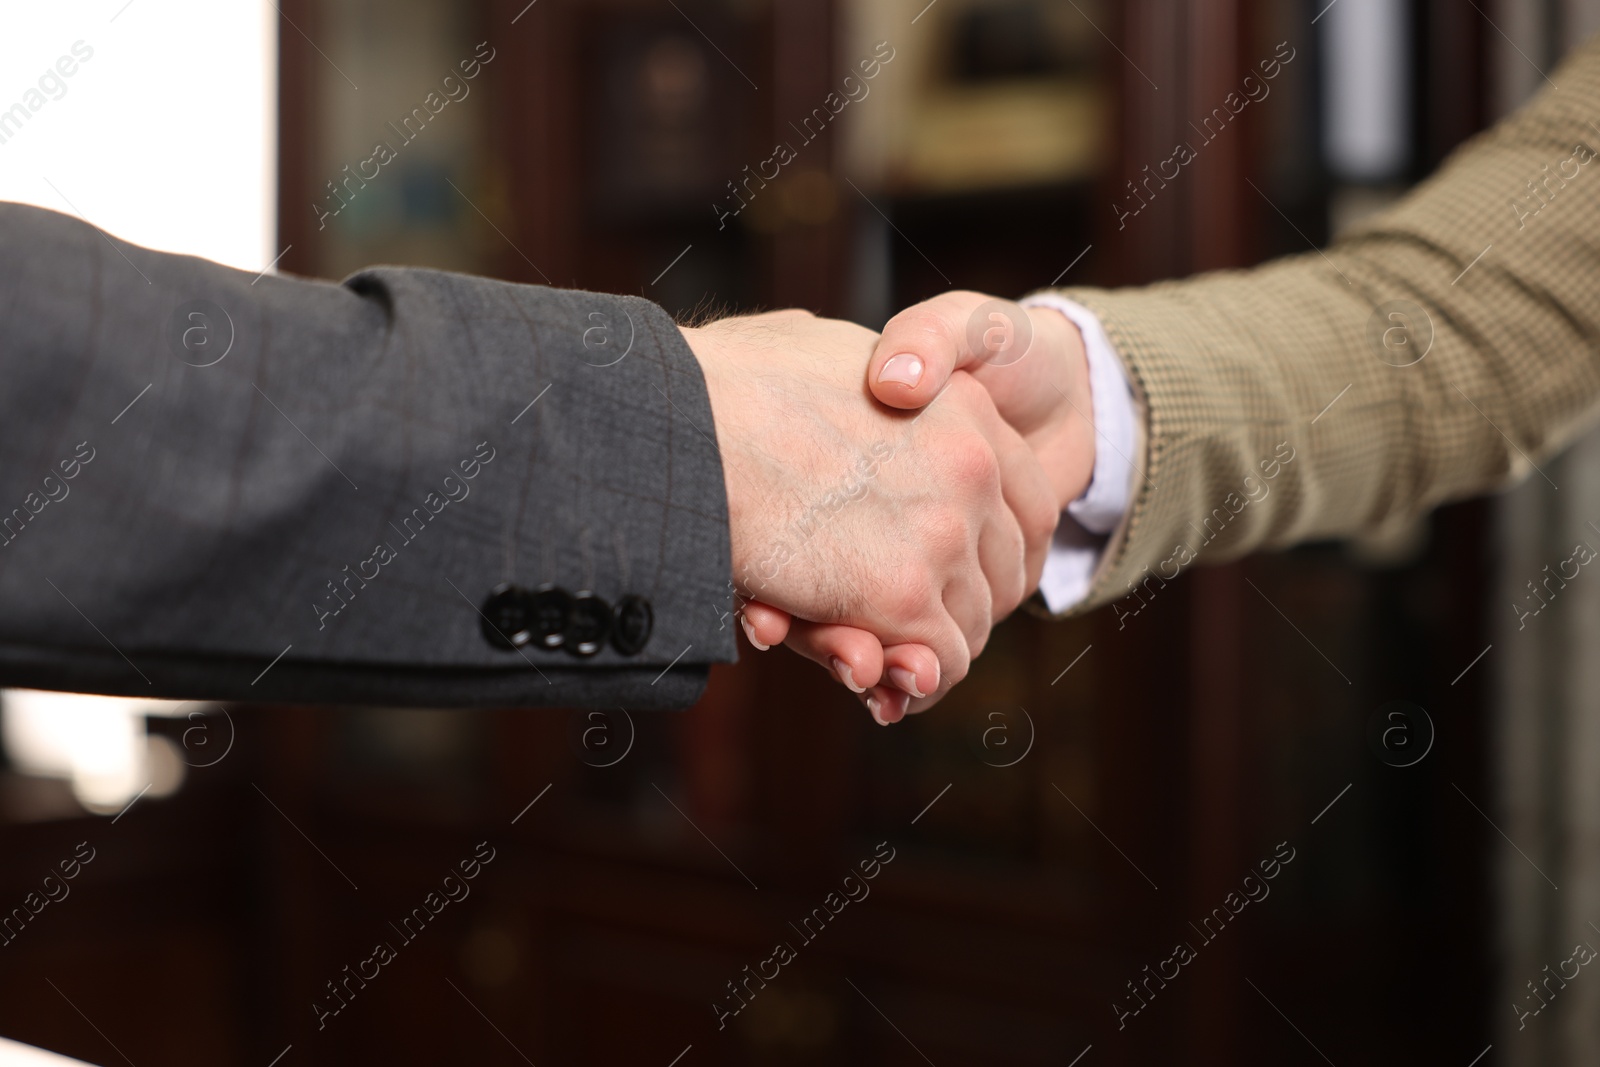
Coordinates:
<point>155,120</point>
<point>164,131</point>
<point>98,744</point>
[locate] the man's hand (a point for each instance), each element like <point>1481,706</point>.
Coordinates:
<point>1030,360</point>
<point>1033,364</point>
<point>920,529</point>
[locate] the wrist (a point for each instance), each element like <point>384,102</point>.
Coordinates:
<point>1065,444</point>
<point>700,346</point>
<point>710,350</point>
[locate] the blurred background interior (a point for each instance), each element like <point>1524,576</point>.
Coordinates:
<point>1061,821</point>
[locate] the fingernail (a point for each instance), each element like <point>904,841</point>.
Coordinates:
<point>750,632</point>
<point>905,680</point>
<point>904,368</point>
<point>842,669</point>
<point>877,711</point>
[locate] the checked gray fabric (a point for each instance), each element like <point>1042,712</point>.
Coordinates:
<point>183,500</point>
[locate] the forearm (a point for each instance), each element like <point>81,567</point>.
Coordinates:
<point>1270,412</point>
<point>346,485</point>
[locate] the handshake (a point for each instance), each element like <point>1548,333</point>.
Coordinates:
<point>891,498</point>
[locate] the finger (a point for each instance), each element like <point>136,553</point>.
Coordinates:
<point>1031,500</point>
<point>910,706</point>
<point>969,603</point>
<point>948,606</point>
<point>1022,515</point>
<point>764,625</point>
<point>1003,556</point>
<point>854,657</point>
<point>951,648</point>
<point>911,668</point>
<point>996,545</point>
<point>925,344</point>
<point>885,704</point>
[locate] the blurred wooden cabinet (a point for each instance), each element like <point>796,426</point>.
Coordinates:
<point>1057,824</point>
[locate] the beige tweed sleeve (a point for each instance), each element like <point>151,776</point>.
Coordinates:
<point>1289,403</point>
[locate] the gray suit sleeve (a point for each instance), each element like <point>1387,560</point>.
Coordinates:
<point>214,486</point>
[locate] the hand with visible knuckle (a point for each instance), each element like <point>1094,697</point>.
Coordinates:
<point>844,511</point>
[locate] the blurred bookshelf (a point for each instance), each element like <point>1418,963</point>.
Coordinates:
<point>1035,812</point>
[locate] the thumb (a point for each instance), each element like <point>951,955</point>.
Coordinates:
<point>925,344</point>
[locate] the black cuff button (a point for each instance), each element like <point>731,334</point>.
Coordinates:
<point>549,608</point>
<point>631,625</point>
<point>505,618</point>
<point>588,624</point>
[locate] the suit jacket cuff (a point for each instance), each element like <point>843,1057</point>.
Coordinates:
<point>319,508</point>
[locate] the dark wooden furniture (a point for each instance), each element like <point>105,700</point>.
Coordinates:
<point>1057,825</point>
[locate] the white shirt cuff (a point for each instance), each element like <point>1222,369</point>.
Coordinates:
<point>1081,537</point>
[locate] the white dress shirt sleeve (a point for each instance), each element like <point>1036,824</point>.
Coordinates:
<point>1081,537</point>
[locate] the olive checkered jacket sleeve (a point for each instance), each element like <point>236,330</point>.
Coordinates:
<point>1438,351</point>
